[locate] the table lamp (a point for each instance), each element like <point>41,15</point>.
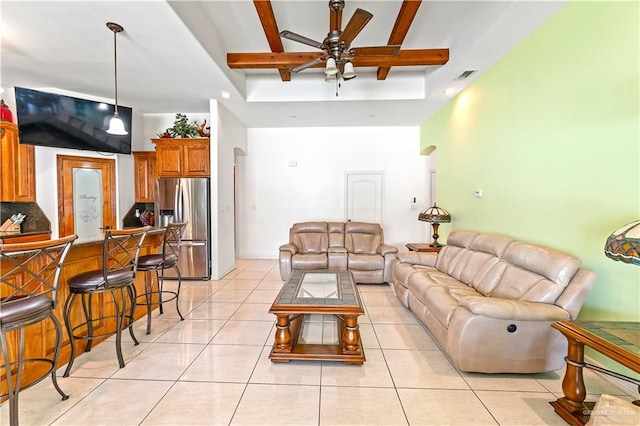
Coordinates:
<point>624,244</point>
<point>435,216</point>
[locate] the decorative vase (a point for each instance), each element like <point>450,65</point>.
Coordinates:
<point>5,112</point>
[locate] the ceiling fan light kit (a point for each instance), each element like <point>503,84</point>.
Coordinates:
<point>331,68</point>
<point>349,72</point>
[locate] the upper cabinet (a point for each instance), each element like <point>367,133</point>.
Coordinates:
<point>182,157</point>
<point>18,164</point>
<point>144,167</point>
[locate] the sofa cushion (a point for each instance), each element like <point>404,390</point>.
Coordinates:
<point>472,257</point>
<point>557,266</point>
<point>365,262</point>
<point>362,237</point>
<point>310,237</point>
<point>519,284</point>
<point>336,234</point>
<point>310,261</point>
<point>534,274</point>
<point>312,243</point>
<point>442,301</point>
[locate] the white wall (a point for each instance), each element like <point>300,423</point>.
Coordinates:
<point>47,176</point>
<point>231,137</point>
<point>271,196</point>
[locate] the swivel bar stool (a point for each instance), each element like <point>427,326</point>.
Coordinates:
<point>120,252</point>
<point>157,263</point>
<point>29,276</point>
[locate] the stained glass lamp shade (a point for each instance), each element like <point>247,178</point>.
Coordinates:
<point>624,244</point>
<point>435,216</point>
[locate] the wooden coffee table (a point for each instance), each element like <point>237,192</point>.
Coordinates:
<point>327,293</point>
<point>619,341</point>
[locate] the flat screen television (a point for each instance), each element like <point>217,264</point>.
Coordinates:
<point>49,119</point>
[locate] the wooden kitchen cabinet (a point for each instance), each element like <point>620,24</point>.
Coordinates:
<point>144,172</point>
<point>18,164</point>
<point>181,157</point>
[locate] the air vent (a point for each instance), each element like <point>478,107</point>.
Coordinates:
<point>466,74</point>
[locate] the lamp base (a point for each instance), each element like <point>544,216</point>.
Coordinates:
<point>435,242</point>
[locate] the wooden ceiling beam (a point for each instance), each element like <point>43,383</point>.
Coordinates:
<point>288,60</point>
<point>405,17</point>
<point>270,27</point>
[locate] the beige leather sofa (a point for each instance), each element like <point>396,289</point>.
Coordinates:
<point>489,300</point>
<point>355,246</point>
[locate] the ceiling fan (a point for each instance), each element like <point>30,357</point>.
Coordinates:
<point>336,47</point>
<point>338,52</point>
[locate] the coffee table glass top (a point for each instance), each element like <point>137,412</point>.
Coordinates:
<point>625,335</point>
<point>318,288</point>
<point>320,285</point>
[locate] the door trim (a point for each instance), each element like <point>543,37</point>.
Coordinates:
<point>65,165</point>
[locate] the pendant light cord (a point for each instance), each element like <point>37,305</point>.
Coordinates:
<point>116,28</point>
<point>115,69</point>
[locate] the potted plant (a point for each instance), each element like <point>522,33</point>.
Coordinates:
<point>182,128</point>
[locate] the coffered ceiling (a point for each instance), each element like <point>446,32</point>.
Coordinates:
<point>172,56</point>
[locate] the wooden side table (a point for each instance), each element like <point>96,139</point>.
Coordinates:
<point>422,247</point>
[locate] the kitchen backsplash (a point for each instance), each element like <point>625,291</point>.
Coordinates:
<point>34,221</point>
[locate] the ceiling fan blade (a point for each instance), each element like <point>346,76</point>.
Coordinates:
<point>307,64</point>
<point>355,25</point>
<point>391,50</point>
<point>301,39</point>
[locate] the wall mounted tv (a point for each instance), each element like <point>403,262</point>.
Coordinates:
<point>60,121</point>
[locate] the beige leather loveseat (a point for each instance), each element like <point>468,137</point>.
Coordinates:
<point>489,300</point>
<point>355,246</point>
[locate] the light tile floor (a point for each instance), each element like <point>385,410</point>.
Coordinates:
<point>213,368</point>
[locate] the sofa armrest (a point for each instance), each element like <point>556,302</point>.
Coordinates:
<point>385,249</point>
<point>418,258</point>
<point>289,247</point>
<point>493,307</point>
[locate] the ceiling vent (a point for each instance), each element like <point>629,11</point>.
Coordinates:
<point>466,74</point>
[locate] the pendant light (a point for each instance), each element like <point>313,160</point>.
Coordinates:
<point>116,126</point>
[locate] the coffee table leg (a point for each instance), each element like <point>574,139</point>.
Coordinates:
<point>571,407</point>
<point>573,383</point>
<point>351,335</point>
<point>283,334</point>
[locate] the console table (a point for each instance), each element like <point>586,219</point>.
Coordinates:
<point>619,341</point>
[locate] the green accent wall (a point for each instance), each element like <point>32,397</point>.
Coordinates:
<point>551,135</point>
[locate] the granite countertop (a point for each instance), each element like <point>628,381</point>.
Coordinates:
<point>21,234</point>
<point>88,242</point>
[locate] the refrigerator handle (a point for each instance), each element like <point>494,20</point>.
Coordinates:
<point>178,202</point>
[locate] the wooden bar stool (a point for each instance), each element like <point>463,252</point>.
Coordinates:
<point>29,276</point>
<point>167,259</point>
<point>120,253</point>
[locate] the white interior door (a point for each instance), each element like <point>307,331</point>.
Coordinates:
<point>364,196</point>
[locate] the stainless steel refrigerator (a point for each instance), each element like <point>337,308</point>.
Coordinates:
<point>187,200</point>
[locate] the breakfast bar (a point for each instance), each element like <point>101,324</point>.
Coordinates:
<point>40,338</point>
